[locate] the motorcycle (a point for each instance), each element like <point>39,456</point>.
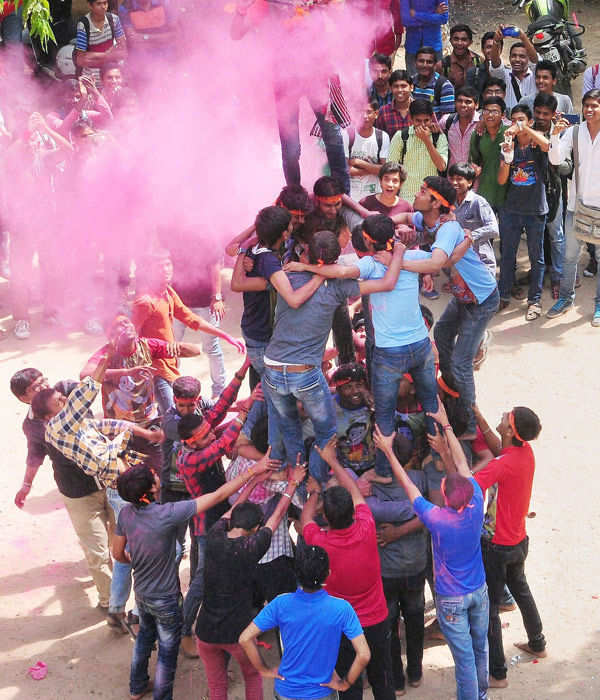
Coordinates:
<point>556,38</point>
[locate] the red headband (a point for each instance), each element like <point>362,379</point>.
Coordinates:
<point>389,245</point>
<point>442,200</point>
<point>334,199</point>
<point>511,420</point>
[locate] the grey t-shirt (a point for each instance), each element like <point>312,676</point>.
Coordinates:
<point>151,534</point>
<point>564,102</point>
<point>300,335</point>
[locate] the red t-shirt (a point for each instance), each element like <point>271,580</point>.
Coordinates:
<point>354,560</point>
<point>512,471</point>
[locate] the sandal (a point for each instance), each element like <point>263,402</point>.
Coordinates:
<point>533,311</point>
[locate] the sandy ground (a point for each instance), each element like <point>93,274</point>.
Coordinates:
<point>47,599</point>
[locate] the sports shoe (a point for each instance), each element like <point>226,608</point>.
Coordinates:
<point>432,295</point>
<point>561,307</point>
<point>22,330</point>
<point>596,316</point>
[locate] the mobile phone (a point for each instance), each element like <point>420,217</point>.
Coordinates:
<point>508,139</point>
<point>572,118</point>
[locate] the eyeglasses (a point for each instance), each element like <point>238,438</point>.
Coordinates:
<point>495,112</point>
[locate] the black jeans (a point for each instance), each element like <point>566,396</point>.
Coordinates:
<point>406,594</point>
<point>379,668</point>
<point>506,564</point>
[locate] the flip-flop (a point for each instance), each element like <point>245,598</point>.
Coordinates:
<point>524,646</point>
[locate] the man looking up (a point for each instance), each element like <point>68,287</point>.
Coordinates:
<point>456,65</point>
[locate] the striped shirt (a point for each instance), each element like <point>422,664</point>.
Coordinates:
<point>459,143</point>
<point>92,444</point>
<point>416,161</point>
<point>100,40</point>
<point>445,105</point>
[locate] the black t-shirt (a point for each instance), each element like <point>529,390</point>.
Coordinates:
<point>70,480</point>
<point>256,319</point>
<point>526,192</point>
<point>229,567</point>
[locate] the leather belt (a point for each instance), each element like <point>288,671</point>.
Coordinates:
<point>290,368</point>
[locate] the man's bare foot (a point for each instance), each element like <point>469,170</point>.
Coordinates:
<point>507,608</point>
<point>497,682</point>
<point>188,647</point>
<point>524,646</point>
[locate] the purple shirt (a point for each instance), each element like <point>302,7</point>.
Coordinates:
<point>458,143</point>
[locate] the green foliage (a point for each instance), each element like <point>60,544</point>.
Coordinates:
<point>36,16</point>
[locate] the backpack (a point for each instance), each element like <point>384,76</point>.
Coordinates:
<point>446,63</point>
<point>437,89</point>
<point>352,136</point>
<point>435,137</point>
<point>86,25</point>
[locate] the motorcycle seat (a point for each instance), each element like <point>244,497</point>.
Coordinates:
<point>542,23</point>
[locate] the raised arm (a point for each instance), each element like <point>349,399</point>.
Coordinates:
<point>458,456</point>
<point>295,297</point>
<point>329,454</point>
<point>296,477</point>
<point>490,437</point>
<point>385,444</point>
<point>232,247</point>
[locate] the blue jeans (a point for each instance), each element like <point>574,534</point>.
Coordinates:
<point>211,347</point>
<point>160,618</point>
<point>255,349</point>
<point>164,394</point>
<point>464,622</point>
<point>458,334</point>
<point>572,253</point>
<point>556,234</point>
<point>511,224</point>
<point>333,695</point>
<point>389,365</point>
<point>282,390</point>
<point>195,593</point>
<point>120,585</point>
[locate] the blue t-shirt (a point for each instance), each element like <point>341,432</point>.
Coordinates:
<point>397,317</point>
<point>311,626</point>
<point>477,276</point>
<point>456,543</point>
<point>256,319</point>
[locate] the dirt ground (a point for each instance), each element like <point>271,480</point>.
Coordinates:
<point>47,599</point>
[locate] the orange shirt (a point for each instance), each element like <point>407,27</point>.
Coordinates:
<point>153,317</point>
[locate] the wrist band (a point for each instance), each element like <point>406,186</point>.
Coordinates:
<point>27,483</point>
<point>447,427</point>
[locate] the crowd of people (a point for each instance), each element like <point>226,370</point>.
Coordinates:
<point>355,472</point>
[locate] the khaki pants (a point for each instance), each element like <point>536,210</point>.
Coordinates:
<point>91,517</point>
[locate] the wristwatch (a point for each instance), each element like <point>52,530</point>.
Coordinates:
<point>217,297</point>
<point>241,251</point>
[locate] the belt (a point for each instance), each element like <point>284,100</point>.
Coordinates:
<point>290,368</point>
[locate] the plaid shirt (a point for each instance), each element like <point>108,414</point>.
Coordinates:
<point>391,120</point>
<point>92,444</point>
<point>193,465</point>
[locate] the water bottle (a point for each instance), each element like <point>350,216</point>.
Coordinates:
<point>511,31</point>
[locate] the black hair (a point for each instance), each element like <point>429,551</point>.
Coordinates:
<point>39,403</point>
<point>246,516</point>
<point>323,247</point>
<point>498,101</point>
<point>312,567</point>
<point>271,223</point>
<point>462,28</point>
<point>374,104</point>
<point>462,170</point>
<point>443,187</point>
<point>187,425</point>
<point>381,58</point>
<point>186,388</point>
<point>467,91</point>
<point>358,241</point>
<point>517,45</point>
<point>427,315</point>
<point>106,67</point>
<point>524,109</point>
<point>136,484</point>
<point>260,434</point>
<point>327,186</point>
<point>358,321</point>
<point>294,197</point>
<point>543,99</point>
<point>498,82</point>
<point>390,167</point>
<point>426,49</point>
<point>22,380</point>
<point>487,36</point>
<point>338,507</point>
<point>591,95</point>
<point>420,107</point>
<point>400,75</point>
<point>403,447</point>
<point>527,423</point>
<point>546,65</point>
<point>352,371</point>
<point>381,228</point>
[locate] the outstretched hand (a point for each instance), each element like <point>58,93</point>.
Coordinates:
<point>440,415</point>
<point>298,473</point>
<point>385,443</point>
<point>266,465</point>
<point>437,442</point>
<point>328,453</point>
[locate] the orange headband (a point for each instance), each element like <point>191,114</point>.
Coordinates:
<point>442,200</point>
<point>334,199</point>
<point>389,246</point>
<point>442,384</point>
<point>293,212</point>
<point>511,420</point>
<point>341,382</point>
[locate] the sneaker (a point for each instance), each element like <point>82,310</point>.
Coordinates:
<point>432,295</point>
<point>596,317</point>
<point>22,330</point>
<point>93,327</point>
<point>561,307</point>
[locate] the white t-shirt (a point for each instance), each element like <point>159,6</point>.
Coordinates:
<point>366,149</point>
